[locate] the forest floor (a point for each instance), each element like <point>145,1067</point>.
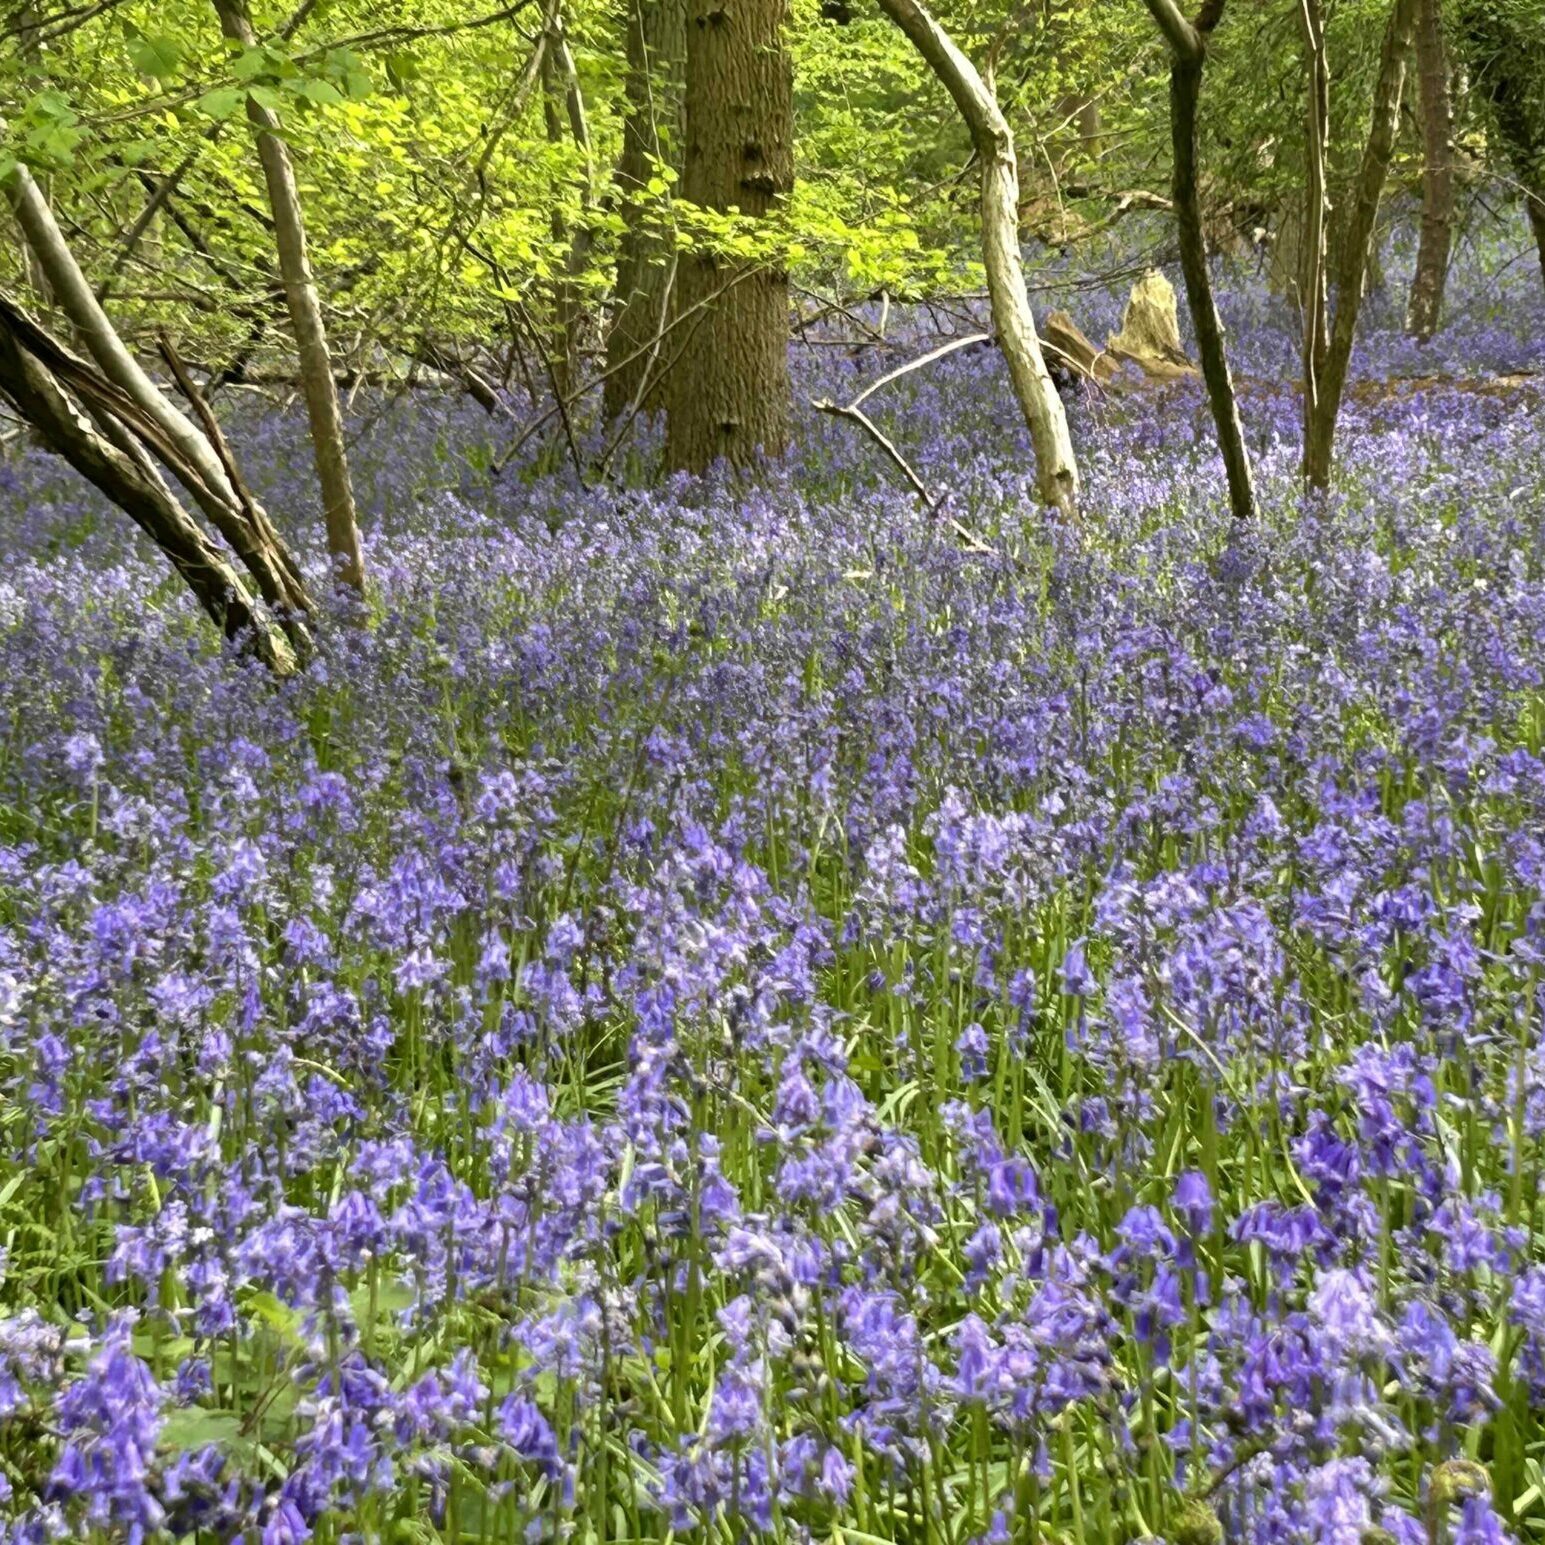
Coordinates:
<point>722,1011</point>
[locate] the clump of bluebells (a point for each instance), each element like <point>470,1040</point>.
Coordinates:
<point>728,1013</point>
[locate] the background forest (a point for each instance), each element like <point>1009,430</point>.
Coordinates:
<point>772,773</point>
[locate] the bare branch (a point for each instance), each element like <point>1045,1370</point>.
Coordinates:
<point>917,364</point>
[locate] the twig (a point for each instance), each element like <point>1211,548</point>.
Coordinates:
<point>857,415</point>
<point>852,412</point>
<point>650,346</point>
<point>917,364</point>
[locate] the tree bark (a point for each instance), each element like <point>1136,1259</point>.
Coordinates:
<point>1056,468</point>
<point>244,525</point>
<point>1314,242</point>
<point>305,308</point>
<point>1436,109</point>
<point>30,384</point>
<point>729,393</point>
<point>1356,241</point>
<point>1504,68</point>
<point>651,137</point>
<point>563,104</point>
<point>1188,50</point>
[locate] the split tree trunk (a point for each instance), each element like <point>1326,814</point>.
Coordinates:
<point>29,382</point>
<point>651,137</point>
<point>194,459</point>
<point>1356,242</point>
<point>1188,49</point>
<point>1436,111</point>
<point>729,389</point>
<point>305,308</point>
<point>1056,469</point>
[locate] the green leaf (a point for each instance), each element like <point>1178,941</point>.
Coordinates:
<point>320,93</point>
<point>391,1299</point>
<point>155,54</point>
<point>277,1315</point>
<point>193,1427</point>
<point>220,104</point>
<point>250,63</point>
<point>267,96</point>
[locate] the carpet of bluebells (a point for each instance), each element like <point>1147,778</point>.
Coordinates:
<point>724,1011</point>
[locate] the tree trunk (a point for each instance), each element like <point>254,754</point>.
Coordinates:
<point>564,103</point>
<point>1426,305</point>
<point>1314,242</point>
<point>1056,469</point>
<point>305,309</point>
<point>1188,48</point>
<point>729,394</point>
<point>651,137</point>
<point>1356,241</point>
<point>1504,68</point>
<point>194,460</point>
<point>30,384</point>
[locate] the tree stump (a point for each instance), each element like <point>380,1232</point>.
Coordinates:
<point>1150,331</point>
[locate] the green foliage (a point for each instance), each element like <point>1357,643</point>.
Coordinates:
<point>435,198</point>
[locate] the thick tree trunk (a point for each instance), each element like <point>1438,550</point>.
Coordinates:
<point>30,384</point>
<point>1188,47</point>
<point>729,390</point>
<point>316,369</point>
<point>1504,69</point>
<point>1314,238</point>
<point>192,457</point>
<point>1426,304</point>
<point>1056,469</point>
<point>1356,241</point>
<point>651,137</point>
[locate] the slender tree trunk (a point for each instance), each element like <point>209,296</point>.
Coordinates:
<point>1314,240</point>
<point>1188,49</point>
<point>563,104</point>
<point>1426,305</point>
<point>193,458</point>
<point>131,483</point>
<point>305,309</point>
<point>1356,240</point>
<point>1056,468</point>
<point>1504,68</point>
<point>729,394</point>
<point>651,137</point>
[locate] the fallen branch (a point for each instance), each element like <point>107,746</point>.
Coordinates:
<point>856,415</point>
<point>917,364</point>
